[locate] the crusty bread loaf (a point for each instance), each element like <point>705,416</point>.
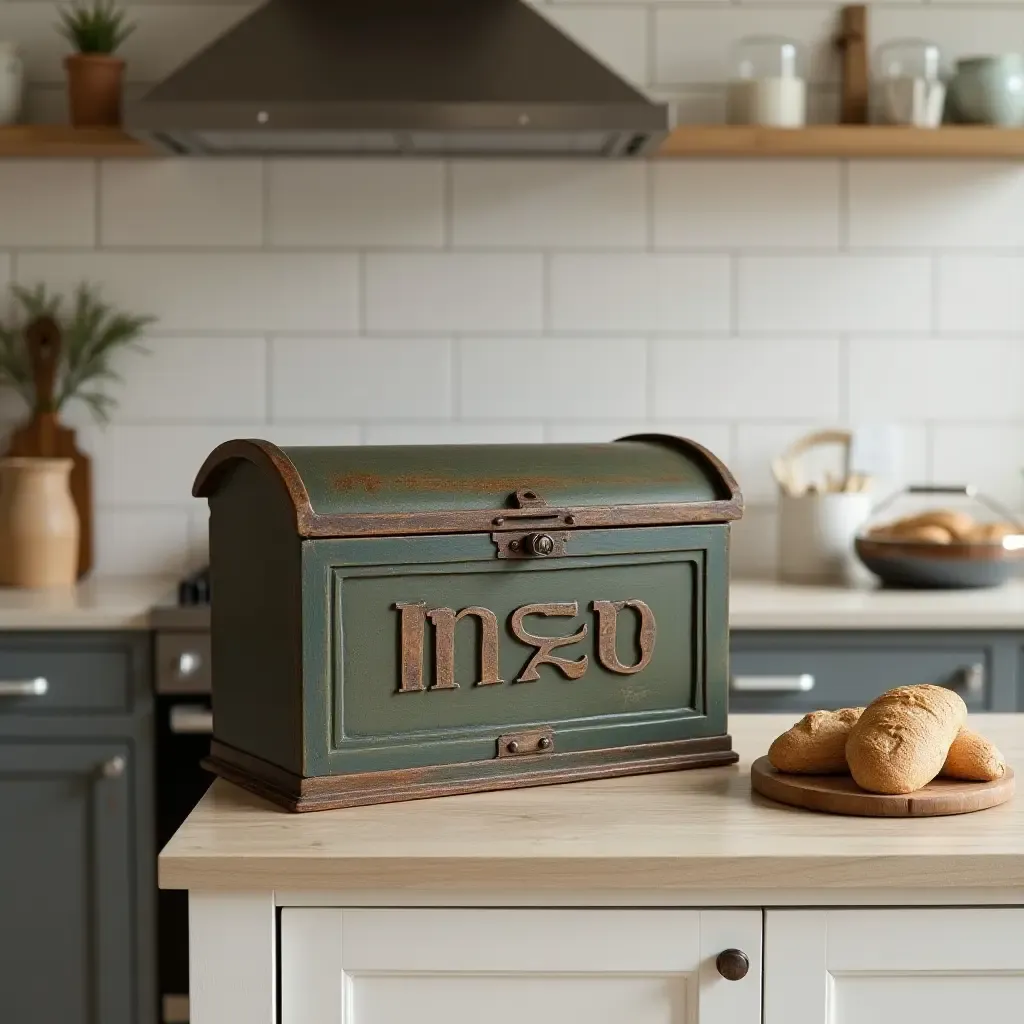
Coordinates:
<point>901,741</point>
<point>816,745</point>
<point>973,758</point>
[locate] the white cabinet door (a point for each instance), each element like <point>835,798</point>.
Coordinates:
<point>510,966</point>
<point>908,966</point>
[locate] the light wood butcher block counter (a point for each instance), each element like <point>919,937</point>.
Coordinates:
<point>688,831</point>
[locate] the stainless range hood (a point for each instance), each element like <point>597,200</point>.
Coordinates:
<point>398,78</point>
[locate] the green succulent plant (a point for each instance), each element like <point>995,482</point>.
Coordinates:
<point>97,27</point>
<point>92,332</point>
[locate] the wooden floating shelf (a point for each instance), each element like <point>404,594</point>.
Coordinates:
<point>963,142</point>
<point>30,140</point>
<point>697,140</point>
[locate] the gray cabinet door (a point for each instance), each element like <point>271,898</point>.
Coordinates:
<point>66,944</point>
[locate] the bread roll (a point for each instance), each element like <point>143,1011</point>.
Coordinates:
<point>959,524</point>
<point>926,533</point>
<point>816,745</point>
<point>992,533</point>
<point>900,742</point>
<point>973,758</point>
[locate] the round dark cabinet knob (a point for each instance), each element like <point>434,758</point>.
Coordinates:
<point>540,544</point>
<point>732,964</point>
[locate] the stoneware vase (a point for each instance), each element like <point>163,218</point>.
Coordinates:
<point>989,90</point>
<point>38,523</point>
<point>12,76</point>
<point>95,83</point>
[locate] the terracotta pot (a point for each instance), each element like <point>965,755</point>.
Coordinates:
<point>94,89</point>
<point>38,523</point>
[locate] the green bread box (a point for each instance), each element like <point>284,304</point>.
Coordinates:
<point>390,623</point>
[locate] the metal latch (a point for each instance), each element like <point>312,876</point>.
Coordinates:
<point>530,741</point>
<point>531,543</point>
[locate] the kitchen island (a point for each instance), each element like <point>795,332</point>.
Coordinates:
<point>604,901</point>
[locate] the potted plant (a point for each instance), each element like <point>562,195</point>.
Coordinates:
<point>91,330</point>
<point>95,75</point>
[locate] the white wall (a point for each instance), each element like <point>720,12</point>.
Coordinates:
<point>378,302</point>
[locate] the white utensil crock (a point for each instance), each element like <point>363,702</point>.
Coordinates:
<point>816,535</point>
<point>779,102</point>
<point>12,77</point>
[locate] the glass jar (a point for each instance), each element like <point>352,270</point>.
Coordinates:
<point>766,86</point>
<point>908,88</point>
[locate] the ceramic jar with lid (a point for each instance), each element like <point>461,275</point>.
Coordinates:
<point>766,87</point>
<point>12,80</point>
<point>909,90</point>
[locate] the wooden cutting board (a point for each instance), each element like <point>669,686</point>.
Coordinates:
<point>839,794</point>
<point>43,436</point>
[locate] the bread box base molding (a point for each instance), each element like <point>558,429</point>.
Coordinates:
<point>330,792</point>
<point>398,623</point>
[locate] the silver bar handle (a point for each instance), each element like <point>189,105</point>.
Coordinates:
<point>191,718</point>
<point>801,683</point>
<point>37,687</point>
<point>972,679</point>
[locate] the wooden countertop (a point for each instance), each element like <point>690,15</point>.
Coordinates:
<point>767,604</point>
<point>97,603</point>
<point>692,830</point>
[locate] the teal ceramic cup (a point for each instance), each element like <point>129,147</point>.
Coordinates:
<point>989,90</point>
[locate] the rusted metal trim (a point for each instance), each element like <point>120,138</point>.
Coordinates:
<point>260,453</point>
<point>686,447</point>
<point>332,791</point>
<point>387,524</point>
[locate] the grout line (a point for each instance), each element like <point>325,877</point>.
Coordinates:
<point>934,300</point>
<point>265,205</point>
<point>546,290</point>
<point>734,294</point>
<point>362,291</point>
<point>650,382</point>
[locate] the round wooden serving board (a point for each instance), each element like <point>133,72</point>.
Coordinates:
<point>839,794</point>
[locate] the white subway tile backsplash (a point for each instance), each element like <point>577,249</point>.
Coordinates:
<point>565,378</point>
<point>643,292</point>
<point>214,291</point>
<point>834,293</point>
<point>141,542</point>
<point>936,204</point>
<point>331,301</point>
<point>935,379</point>
<point>714,436</point>
<point>166,35</point>
<point>47,203</point>
<point>360,378</point>
<point>198,380</point>
<point>169,203</point>
<point>454,292</point>
<point>459,432</point>
<point>557,204</point>
<point>617,36</point>
<point>987,456</point>
<point>696,43</point>
<point>980,293</point>
<point>734,378</point>
<point>966,32</point>
<point>729,203</point>
<point>322,203</point>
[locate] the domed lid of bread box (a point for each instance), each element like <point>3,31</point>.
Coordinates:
<point>649,479</point>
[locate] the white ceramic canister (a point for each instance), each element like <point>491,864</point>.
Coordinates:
<point>12,83</point>
<point>817,533</point>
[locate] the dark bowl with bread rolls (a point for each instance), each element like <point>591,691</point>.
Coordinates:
<point>943,548</point>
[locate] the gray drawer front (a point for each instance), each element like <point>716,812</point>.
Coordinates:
<point>80,676</point>
<point>183,663</point>
<point>847,674</point>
